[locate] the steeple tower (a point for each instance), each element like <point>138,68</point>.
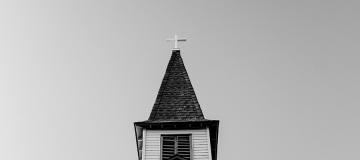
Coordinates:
<point>176,128</point>
<point>176,100</point>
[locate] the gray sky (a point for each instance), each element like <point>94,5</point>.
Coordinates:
<point>281,76</point>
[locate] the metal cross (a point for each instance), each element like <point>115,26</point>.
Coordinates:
<point>176,40</point>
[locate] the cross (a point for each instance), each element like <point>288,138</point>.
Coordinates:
<point>176,40</point>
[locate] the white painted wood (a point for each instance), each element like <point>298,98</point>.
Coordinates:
<point>144,143</point>
<point>200,140</point>
<point>209,143</point>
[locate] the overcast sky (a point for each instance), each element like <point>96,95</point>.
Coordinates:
<point>281,76</point>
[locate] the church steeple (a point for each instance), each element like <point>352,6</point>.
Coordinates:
<point>176,128</point>
<point>176,100</point>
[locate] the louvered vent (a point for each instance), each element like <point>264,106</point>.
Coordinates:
<point>173,145</point>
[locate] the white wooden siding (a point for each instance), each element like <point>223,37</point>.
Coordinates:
<point>200,143</point>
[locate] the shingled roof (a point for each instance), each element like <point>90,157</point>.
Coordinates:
<point>176,99</point>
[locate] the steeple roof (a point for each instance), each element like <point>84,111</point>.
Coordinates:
<point>176,99</point>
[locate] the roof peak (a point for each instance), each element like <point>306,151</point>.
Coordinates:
<point>176,99</point>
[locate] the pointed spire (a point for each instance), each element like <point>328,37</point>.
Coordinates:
<point>176,99</point>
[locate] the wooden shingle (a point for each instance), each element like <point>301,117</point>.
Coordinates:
<point>176,99</point>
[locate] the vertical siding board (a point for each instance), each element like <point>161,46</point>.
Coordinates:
<point>209,143</point>
<point>144,145</point>
<point>200,141</point>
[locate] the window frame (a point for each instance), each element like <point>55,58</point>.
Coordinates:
<point>190,143</point>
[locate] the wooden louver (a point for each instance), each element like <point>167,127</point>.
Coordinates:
<point>176,145</point>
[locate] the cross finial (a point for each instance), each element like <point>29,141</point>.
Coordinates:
<point>176,40</point>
